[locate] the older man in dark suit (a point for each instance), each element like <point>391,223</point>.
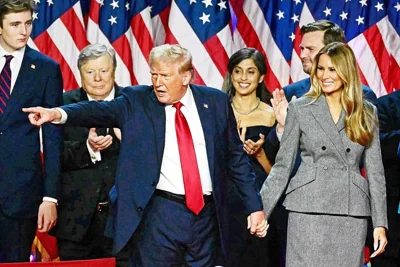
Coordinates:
<point>389,124</point>
<point>179,146</point>
<point>28,190</point>
<point>89,165</point>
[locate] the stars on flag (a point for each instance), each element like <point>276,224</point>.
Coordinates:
<point>222,5</point>
<point>35,15</point>
<point>343,15</point>
<point>360,20</point>
<point>297,2</point>
<point>205,18</point>
<point>114,4</point>
<point>327,11</point>
<point>207,3</point>
<point>379,6</point>
<point>127,7</point>
<point>280,14</point>
<point>192,1</point>
<point>363,3</point>
<point>397,6</point>
<point>50,2</point>
<point>112,20</point>
<point>295,18</point>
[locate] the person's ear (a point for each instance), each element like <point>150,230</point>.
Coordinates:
<point>186,77</point>
<point>261,78</point>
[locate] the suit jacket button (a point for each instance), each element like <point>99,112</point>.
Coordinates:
<point>323,148</point>
<point>348,149</point>
<point>140,209</point>
<point>153,183</point>
<point>98,190</point>
<point>325,167</point>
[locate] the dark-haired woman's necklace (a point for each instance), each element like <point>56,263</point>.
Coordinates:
<point>248,112</point>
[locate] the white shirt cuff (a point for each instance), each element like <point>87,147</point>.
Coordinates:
<point>64,116</point>
<point>50,199</point>
<point>94,156</point>
<point>278,135</point>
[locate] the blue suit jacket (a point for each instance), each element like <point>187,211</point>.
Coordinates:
<point>22,180</point>
<point>301,87</point>
<point>141,119</point>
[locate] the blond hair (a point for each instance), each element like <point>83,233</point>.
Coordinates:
<point>360,119</point>
<point>173,53</point>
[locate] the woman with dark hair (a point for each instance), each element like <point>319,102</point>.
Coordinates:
<point>245,85</point>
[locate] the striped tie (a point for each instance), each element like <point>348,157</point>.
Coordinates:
<point>5,84</point>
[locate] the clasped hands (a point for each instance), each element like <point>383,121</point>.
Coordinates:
<point>257,223</point>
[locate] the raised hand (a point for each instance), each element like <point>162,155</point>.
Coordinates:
<point>280,104</point>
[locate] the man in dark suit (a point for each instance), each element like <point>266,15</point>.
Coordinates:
<point>28,190</point>
<point>389,124</point>
<point>179,146</point>
<point>89,165</point>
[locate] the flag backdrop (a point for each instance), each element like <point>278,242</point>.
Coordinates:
<point>212,30</point>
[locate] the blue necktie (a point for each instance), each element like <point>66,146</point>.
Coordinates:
<point>5,84</point>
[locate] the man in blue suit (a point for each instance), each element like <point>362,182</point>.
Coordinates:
<point>315,36</point>
<point>28,190</point>
<point>155,213</point>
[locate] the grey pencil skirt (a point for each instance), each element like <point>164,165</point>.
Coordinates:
<point>321,240</point>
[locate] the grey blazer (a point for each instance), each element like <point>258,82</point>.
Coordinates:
<point>328,180</point>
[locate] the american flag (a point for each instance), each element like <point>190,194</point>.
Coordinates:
<point>212,30</point>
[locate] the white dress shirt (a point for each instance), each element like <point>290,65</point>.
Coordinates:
<point>15,63</point>
<point>171,178</point>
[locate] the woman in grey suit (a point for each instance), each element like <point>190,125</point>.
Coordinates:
<point>335,130</point>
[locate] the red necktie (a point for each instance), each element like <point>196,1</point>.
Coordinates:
<point>5,84</point>
<point>190,170</point>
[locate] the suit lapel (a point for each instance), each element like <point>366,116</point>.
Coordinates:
<point>23,86</point>
<point>322,115</point>
<point>206,112</point>
<point>157,114</point>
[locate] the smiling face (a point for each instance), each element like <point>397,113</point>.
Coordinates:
<point>246,77</point>
<point>169,84</point>
<point>98,77</point>
<point>311,44</point>
<point>327,76</point>
<point>17,28</point>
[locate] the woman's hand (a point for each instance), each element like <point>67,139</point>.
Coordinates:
<point>280,104</point>
<point>254,148</point>
<point>380,241</point>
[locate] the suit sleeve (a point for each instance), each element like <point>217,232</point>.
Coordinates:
<point>376,179</point>
<point>389,133</point>
<point>52,135</point>
<point>285,159</point>
<point>239,168</point>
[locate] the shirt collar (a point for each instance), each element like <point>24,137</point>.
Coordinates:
<point>17,54</point>
<point>110,96</point>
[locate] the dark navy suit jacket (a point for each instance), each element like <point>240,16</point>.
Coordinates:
<point>389,124</point>
<point>141,119</point>
<point>22,180</point>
